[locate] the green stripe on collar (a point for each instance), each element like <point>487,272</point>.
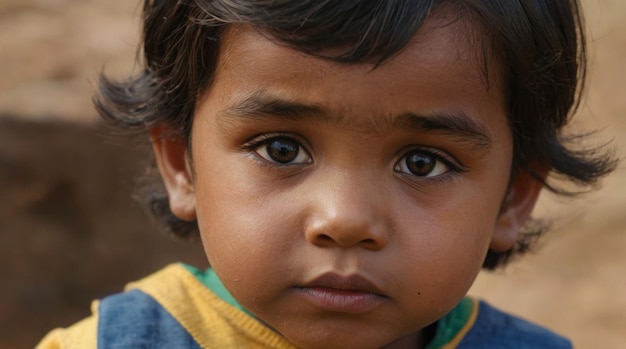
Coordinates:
<point>209,279</point>
<point>449,326</point>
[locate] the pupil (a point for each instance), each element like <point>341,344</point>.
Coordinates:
<point>283,150</point>
<point>420,164</point>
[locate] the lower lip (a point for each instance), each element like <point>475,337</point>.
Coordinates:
<point>342,301</point>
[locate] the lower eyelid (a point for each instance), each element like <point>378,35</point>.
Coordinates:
<point>422,183</point>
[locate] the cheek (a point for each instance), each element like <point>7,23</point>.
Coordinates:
<point>242,231</point>
<point>443,250</point>
<point>251,243</point>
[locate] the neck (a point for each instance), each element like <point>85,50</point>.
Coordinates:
<point>414,340</point>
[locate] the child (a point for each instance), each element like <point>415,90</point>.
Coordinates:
<point>349,166</point>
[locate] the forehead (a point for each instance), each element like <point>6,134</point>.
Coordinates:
<point>440,70</point>
<point>441,40</point>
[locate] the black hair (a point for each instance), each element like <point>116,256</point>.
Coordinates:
<point>540,44</point>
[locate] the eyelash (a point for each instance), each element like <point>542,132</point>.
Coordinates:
<point>453,166</point>
<point>257,142</point>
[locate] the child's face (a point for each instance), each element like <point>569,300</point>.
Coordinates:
<point>345,206</point>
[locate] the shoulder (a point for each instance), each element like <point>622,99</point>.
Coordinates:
<point>496,329</point>
<point>169,309</point>
<point>132,319</point>
<point>135,320</point>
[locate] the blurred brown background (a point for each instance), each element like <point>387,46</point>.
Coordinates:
<point>69,231</point>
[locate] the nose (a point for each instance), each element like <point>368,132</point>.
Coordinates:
<point>348,212</point>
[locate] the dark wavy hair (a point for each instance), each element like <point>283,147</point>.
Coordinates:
<point>540,44</point>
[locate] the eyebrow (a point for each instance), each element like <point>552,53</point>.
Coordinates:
<point>259,105</point>
<point>458,125</point>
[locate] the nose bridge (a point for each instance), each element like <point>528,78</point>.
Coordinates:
<point>348,211</point>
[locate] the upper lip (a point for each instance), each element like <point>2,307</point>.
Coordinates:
<point>352,282</point>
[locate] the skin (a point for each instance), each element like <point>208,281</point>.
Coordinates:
<point>347,204</point>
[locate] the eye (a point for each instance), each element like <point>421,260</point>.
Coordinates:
<point>423,163</point>
<point>282,150</point>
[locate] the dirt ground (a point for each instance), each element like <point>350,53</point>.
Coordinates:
<point>70,233</point>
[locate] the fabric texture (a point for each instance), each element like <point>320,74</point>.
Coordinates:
<point>177,308</point>
<point>135,320</point>
<point>494,329</point>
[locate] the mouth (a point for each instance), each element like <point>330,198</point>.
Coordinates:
<point>344,294</point>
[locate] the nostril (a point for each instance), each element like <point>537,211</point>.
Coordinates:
<point>346,232</point>
<point>370,244</point>
<point>325,238</point>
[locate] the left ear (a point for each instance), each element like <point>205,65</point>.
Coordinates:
<point>516,208</point>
